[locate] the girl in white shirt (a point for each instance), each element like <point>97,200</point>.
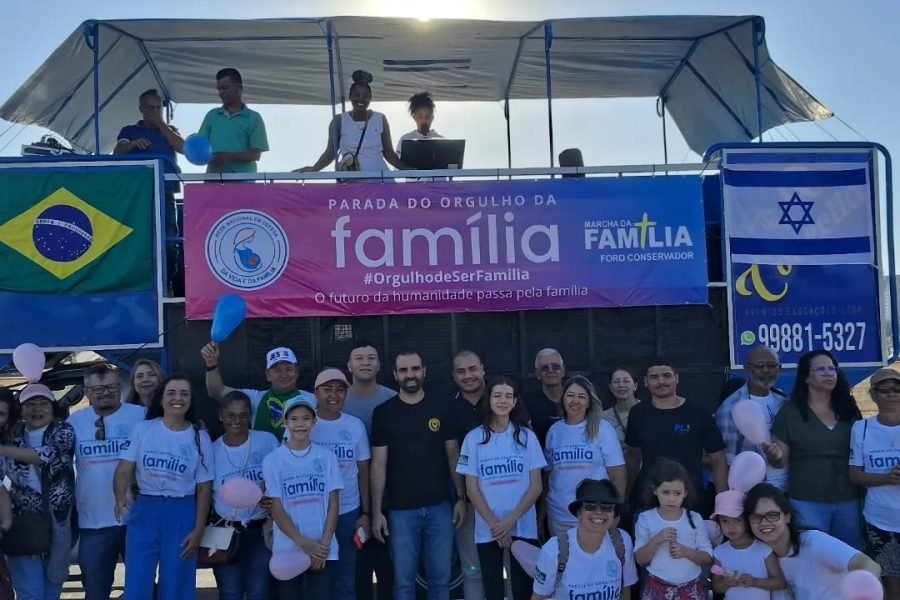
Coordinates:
<point>875,464</point>
<point>670,538</point>
<point>304,481</point>
<point>813,562</point>
<point>502,462</point>
<point>581,446</point>
<point>751,570</point>
<point>170,457</point>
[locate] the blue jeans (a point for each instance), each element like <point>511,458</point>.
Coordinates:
<point>311,585</point>
<point>156,528</point>
<point>427,530</point>
<point>837,519</point>
<point>29,577</point>
<point>249,575</point>
<point>345,567</point>
<point>98,553</point>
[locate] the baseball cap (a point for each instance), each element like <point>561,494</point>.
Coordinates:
<point>302,399</point>
<point>277,355</point>
<point>35,390</point>
<point>729,504</point>
<point>884,375</point>
<point>331,374</point>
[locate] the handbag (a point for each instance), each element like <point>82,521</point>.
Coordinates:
<point>219,545</point>
<point>30,532</point>
<point>350,162</point>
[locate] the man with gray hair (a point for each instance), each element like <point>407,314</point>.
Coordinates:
<point>762,367</point>
<point>544,406</point>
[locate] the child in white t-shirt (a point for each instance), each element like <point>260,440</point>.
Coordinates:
<point>747,568</point>
<point>304,481</point>
<point>670,539</point>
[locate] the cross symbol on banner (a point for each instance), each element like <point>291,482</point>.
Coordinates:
<point>787,213</point>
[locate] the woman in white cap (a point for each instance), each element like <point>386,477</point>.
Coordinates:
<point>345,436</point>
<point>304,481</point>
<point>875,465</point>
<point>40,469</point>
<point>594,559</point>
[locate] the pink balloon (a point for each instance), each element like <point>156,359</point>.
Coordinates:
<point>751,422</point>
<point>286,565</point>
<point>714,532</point>
<point>526,554</point>
<point>747,469</point>
<point>861,585</point>
<point>29,360</point>
<point>240,492</point>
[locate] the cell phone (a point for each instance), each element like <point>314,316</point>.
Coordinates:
<point>360,538</point>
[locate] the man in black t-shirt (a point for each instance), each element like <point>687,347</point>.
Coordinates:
<point>669,426</point>
<point>544,406</point>
<point>415,449</point>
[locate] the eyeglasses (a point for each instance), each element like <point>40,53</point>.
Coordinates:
<point>551,367</point>
<point>112,388</point>
<point>825,370</point>
<point>598,507</point>
<point>886,390</point>
<point>772,517</point>
<point>101,430</point>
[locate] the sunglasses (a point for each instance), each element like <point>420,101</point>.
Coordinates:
<point>598,507</point>
<point>100,435</point>
<point>772,517</point>
<point>551,367</point>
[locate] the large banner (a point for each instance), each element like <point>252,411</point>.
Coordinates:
<point>802,260</point>
<point>371,248</point>
<point>77,252</point>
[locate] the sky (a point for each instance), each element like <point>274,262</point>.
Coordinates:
<point>844,53</point>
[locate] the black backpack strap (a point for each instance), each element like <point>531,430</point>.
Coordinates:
<point>619,544</point>
<point>563,556</point>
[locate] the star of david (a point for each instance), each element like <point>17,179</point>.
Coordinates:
<point>787,213</point>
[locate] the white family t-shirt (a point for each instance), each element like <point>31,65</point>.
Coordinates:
<point>503,467</point>
<point>876,448</point>
<point>570,459</point>
<point>770,406</point>
<point>302,480</point>
<point>96,461</point>
<point>241,461</point>
<point>817,571</point>
<point>168,463</point>
<point>587,576</point>
<point>346,437</point>
<point>750,561</point>
<point>662,565</point>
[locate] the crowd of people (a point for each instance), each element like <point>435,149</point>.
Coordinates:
<point>367,480</point>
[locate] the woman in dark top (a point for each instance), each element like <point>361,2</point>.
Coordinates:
<point>812,437</point>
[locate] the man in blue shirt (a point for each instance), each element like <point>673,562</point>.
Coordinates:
<point>153,136</point>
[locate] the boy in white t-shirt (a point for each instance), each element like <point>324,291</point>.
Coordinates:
<point>304,481</point>
<point>345,435</point>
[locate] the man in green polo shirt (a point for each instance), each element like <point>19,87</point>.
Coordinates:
<point>236,133</point>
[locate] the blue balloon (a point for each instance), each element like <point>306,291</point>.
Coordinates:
<point>197,149</point>
<point>229,314</point>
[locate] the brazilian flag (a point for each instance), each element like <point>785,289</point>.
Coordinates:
<point>76,231</point>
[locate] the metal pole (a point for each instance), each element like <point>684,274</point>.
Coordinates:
<point>661,111</point>
<point>335,142</point>
<point>95,36</point>
<point>758,37</point>
<point>548,43</point>
<point>508,135</point>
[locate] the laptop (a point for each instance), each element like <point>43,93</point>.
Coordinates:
<point>433,154</point>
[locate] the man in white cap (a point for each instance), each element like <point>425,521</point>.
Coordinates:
<point>345,435</point>
<point>268,405</point>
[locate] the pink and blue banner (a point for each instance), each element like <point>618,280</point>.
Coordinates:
<point>402,248</point>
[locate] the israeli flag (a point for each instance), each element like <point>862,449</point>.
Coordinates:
<point>798,209</point>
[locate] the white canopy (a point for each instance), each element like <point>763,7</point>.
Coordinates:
<point>703,68</point>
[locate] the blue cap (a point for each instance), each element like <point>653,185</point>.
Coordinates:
<point>301,399</point>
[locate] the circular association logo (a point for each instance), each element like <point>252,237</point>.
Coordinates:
<point>62,233</point>
<point>247,250</point>
<point>319,465</point>
<point>434,424</point>
<point>345,435</point>
<point>612,568</point>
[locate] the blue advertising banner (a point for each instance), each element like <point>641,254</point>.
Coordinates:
<point>801,254</point>
<point>370,249</point>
